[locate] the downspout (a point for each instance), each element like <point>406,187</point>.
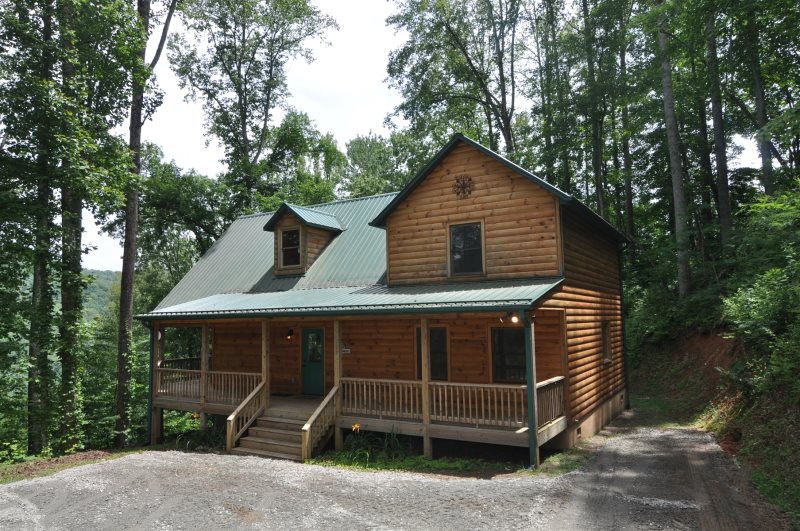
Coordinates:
<point>530,375</point>
<point>150,385</point>
<point>620,249</point>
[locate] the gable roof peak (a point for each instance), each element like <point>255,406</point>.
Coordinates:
<point>380,219</point>
<point>308,216</point>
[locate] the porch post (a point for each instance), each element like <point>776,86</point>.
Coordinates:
<point>337,375</point>
<point>158,350</point>
<point>426,376</point>
<point>265,361</point>
<point>203,375</point>
<point>530,371</point>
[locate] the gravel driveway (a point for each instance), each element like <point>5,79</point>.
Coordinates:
<point>641,478</point>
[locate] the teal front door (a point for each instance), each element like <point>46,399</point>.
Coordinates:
<point>313,361</point>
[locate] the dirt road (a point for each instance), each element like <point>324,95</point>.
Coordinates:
<point>640,478</point>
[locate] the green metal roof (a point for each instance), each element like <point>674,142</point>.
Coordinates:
<point>378,299</point>
<point>242,259</point>
<point>310,216</point>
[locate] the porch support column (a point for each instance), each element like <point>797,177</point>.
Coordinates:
<point>426,376</point>
<point>203,374</point>
<point>265,361</point>
<point>157,342</point>
<point>337,375</point>
<point>530,372</point>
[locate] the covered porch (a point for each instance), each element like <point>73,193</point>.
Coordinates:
<point>489,412</point>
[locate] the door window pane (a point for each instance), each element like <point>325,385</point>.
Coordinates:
<point>508,355</point>
<point>437,336</point>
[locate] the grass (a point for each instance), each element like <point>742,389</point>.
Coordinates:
<point>414,463</point>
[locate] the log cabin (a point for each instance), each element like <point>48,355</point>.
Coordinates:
<point>480,303</point>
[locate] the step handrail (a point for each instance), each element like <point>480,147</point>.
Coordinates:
<point>245,414</point>
<point>318,423</point>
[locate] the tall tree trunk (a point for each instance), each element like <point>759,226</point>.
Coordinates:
<point>752,41</point>
<point>131,227</point>
<point>71,279</point>
<point>627,159</point>
<point>40,340</point>
<point>675,164</point>
<point>594,111</point>
<point>720,143</point>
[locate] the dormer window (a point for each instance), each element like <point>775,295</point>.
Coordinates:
<point>466,249</point>
<point>290,247</point>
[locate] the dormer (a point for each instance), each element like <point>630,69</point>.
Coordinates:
<point>301,235</point>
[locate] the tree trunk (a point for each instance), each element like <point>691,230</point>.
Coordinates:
<point>124,339</point>
<point>720,143</point>
<point>71,280</point>
<point>627,159</point>
<point>39,376</point>
<point>594,112</point>
<point>676,167</point>
<point>132,225</point>
<point>751,41</point>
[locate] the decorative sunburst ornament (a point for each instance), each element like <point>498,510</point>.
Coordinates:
<point>463,186</point>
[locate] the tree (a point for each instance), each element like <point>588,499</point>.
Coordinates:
<point>459,67</point>
<point>372,167</point>
<point>140,108</point>
<point>675,162</point>
<point>236,63</point>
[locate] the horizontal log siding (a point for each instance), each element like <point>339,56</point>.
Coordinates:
<point>589,295</point>
<point>237,347</point>
<point>316,241</point>
<point>520,222</point>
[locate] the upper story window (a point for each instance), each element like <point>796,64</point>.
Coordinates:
<point>290,247</point>
<point>466,249</point>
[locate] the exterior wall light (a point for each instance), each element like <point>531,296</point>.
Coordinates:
<point>290,334</point>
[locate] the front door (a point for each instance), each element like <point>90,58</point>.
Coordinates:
<point>313,361</point>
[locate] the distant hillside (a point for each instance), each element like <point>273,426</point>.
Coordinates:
<point>98,294</point>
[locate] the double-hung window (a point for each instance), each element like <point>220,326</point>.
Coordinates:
<point>290,248</point>
<point>466,249</point>
<point>508,355</point>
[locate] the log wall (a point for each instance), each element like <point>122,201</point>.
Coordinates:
<point>590,295</point>
<point>520,222</point>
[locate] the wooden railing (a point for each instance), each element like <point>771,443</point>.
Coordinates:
<point>479,405</point>
<point>243,416</point>
<point>229,387</point>
<point>319,424</point>
<point>393,399</point>
<point>503,406</point>
<point>178,384</point>
<point>192,364</point>
<point>550,400</point>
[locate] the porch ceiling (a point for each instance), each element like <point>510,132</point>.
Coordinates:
<point>378,299</point>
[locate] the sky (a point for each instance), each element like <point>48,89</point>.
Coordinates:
<point>343,91</point>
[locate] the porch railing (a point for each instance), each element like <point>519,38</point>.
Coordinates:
<point>228,388</point>
<point>502,406</point>
<point>319,424</point>
<point>192,364</point>
<point>550,400</point>
<point>480,405</point>
<point>395,399</point>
